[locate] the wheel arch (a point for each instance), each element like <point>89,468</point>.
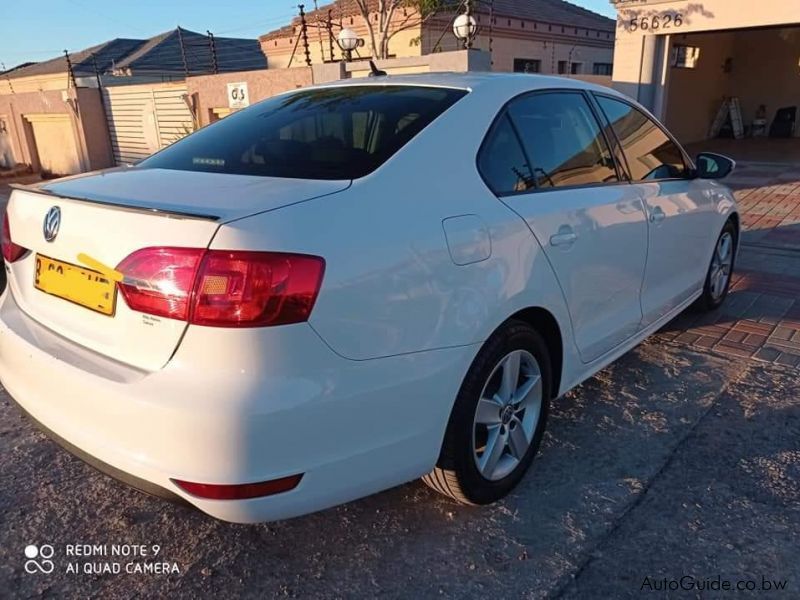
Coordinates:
<point>736,220</point>
<point>543,321</point>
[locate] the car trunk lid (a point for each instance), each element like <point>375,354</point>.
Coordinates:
<point>106,217</point>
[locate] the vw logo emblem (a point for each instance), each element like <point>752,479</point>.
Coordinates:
<point>52,221</point>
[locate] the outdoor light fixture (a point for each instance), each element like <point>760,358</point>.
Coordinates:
<point>348,41</point>
<point>464,28</point>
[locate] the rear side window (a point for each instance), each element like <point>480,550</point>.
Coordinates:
<point>563,140</point>
<point>330,133</point>
<point>651,154</point>
<point>502,163</point>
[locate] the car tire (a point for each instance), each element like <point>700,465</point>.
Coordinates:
<point>471,469</point>
<point>717,283</point>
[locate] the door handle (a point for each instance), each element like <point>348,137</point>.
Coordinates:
<point>657,215</point>
<point>565,236</point>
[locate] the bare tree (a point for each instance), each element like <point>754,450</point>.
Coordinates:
<point>394,16</point>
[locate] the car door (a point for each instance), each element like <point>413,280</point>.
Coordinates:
<point>590,224</point>
<point>680,211</point>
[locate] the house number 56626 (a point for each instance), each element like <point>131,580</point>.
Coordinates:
<point>656,22</point>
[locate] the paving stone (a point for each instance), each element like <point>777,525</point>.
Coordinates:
<point>734,349</point>
<point>687,338</point>
<point>782,333</point>
<point>791,360</point>
<point>767,354</point>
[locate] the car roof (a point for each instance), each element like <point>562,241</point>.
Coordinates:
<point>512,83</point>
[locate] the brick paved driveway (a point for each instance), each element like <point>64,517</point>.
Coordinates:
<point>761,318</point>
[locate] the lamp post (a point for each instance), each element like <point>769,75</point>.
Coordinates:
<point>465,27</point>
<point>348,41</point>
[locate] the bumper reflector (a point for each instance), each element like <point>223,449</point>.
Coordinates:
<point>239,491</point>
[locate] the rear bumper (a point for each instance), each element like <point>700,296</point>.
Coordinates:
<point>126,478</point>
<point>239,406</point>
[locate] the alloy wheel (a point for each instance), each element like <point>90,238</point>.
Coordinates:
<point>721,266</point>
<point>507,414</point>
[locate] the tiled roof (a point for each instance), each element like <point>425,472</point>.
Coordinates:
<point>546,11</point>
<point>162,54</point>
<point>105,55</point>
<point>157,55</point>
<point>553,11</point>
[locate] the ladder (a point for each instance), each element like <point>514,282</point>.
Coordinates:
<point>732,108</point>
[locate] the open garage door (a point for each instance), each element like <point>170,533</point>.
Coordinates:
<point>54,137</point>
<point>142,119</point>
<point>758,67</point>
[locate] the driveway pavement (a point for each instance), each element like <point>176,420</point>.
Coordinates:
<point>680,460</point>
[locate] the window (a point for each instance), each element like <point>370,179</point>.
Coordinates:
<point>602,68</point>
<point>562,140</point>
<point>685,57</point>
<point>501,161</point>
<point>527,65</point>
<point>576,68</point>
<point>651,154</point>
<point>562,67</point>
<point>335,133</point>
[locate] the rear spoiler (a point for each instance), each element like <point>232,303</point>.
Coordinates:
<point>37,188</point>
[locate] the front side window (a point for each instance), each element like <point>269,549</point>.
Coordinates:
<point>651,154</point>
<point>329,133</point>
<point>562,140</point>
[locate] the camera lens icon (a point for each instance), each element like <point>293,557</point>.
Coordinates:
<point>44,553</point>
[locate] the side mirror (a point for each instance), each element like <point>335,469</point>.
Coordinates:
<point>713,166</point>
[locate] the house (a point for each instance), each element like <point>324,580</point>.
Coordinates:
<point>111,103</point>
<point>683,58</point>
<point>53,121</point>
<point>533,36</point>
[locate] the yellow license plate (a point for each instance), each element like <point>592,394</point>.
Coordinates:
<point>82,286</point>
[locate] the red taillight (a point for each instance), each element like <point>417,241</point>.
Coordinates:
<point>222,288</point>
<point>241,491</point>
<point>253,289</point>
<point>159,281</point>
<point>11,251</point>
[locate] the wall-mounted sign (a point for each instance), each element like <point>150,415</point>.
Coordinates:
<point>237,95</point>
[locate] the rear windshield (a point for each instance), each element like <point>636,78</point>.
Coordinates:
<point>330,133</point>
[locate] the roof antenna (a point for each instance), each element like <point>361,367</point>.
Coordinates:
<point>375,71</point>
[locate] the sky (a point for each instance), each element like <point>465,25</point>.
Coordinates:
<point>42,29</point>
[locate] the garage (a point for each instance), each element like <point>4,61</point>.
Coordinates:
<point>54,141</point>
<point>721,74</point>
<point>734,85</point>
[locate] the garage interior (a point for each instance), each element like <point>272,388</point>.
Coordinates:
<point>760,67</point>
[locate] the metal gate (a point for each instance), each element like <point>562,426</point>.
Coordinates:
<point>142,119</point>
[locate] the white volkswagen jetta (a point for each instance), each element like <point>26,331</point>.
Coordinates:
<point>344,288</point>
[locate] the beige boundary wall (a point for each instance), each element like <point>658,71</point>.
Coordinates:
<point>209,93</point>
<point>86,125</point>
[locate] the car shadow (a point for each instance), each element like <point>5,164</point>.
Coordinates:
<point>606,441</point>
